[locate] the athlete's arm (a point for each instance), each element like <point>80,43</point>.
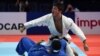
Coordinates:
<point>41,21</point>
<point>75,29</point>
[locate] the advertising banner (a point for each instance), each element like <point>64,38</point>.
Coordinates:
<point>89,22</point>
<point>11,22</point>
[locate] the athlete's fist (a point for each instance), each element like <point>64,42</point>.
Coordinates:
<point>22,29</point>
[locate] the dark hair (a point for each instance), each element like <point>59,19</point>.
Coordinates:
<point>56,45</point>
<point>59,5</point>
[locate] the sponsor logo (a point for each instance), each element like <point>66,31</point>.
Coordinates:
<point>87,23</point>
<point>9,26</point>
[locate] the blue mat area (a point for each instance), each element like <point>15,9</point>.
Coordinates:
<point>77,49</point>
<point>8,49</point>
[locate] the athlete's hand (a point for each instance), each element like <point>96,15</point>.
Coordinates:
<point>22,29</point>
<point>40,42</point>
<point>85,45</point>
<point>86,48</point>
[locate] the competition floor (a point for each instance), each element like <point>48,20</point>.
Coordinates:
<point>8,44</point>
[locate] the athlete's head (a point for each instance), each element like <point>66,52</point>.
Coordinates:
<point>57,8</point>
<point>56,45</point>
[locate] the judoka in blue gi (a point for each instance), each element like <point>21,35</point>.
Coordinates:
<point>57,47</point>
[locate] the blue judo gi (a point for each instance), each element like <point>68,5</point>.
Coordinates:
<point>33,49</point>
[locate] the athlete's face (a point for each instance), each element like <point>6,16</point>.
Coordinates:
<point>55,11</point>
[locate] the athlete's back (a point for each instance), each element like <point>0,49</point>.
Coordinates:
<point>38,50</point>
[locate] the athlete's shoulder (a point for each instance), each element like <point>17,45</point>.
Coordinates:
<point>68,19</point>
<point>49,14</point>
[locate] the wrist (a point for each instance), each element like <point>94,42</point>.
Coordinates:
<point>84,42</point>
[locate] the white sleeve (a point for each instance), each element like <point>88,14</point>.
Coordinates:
<point>76,30</point>
<point>42,21</point>
<point>69,50</point>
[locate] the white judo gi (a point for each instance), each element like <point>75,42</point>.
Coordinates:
<point>68,24</point>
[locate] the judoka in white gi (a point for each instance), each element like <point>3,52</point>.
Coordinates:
<point>58,25</point>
